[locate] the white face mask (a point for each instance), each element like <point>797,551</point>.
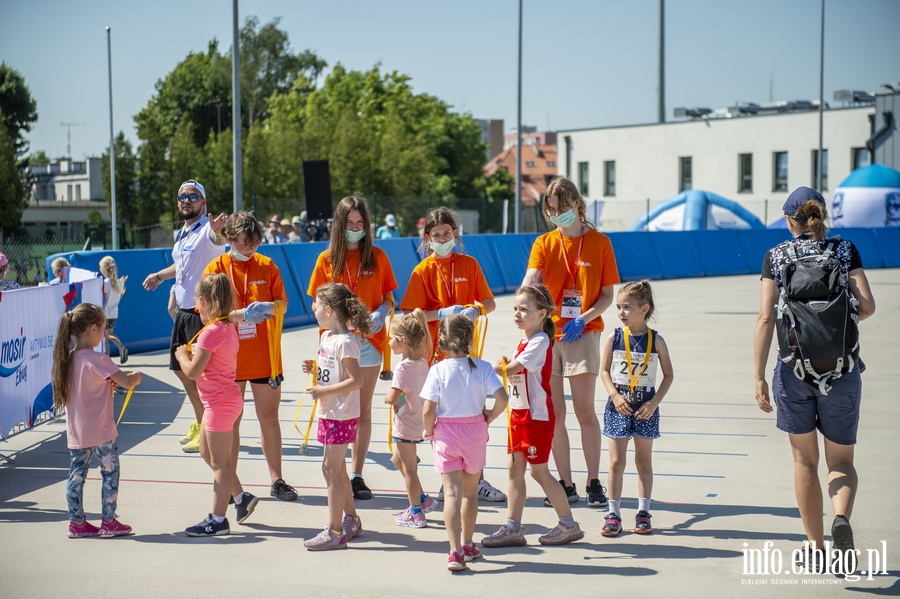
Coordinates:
<point>443,249</point>
<point>564,220</point>
<point>239,256</point>
<point>354,236</point>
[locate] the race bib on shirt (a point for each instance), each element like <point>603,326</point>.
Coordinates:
<point>246,330</point>
<point>517,391</point>
<point>571,304</point>
<point>327,371</point>
<point>619,369</point>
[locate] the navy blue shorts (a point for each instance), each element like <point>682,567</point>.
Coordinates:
<point>802,408</point>
<point>616,426</point>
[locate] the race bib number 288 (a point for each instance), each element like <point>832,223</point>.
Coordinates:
<point>326,371</point>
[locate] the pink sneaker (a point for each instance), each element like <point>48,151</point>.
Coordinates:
<point>456,561</point>
<point>471,552</point>
<point>407,518</point>
<point>80,530</point>
<point>428,505</point>
<point>113,528</point>
<point>351,526</point>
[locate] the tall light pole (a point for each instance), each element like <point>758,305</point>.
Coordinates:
<point>236,113</point>
<point>662,61</point>
<point>112,144</point>
<point>820,156</point>
<point>519,133</point>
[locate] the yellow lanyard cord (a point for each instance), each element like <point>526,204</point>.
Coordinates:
<point>194,338</point>
<point>125,404</point>
<point>386,374</point>
<point>312,414</point>
<point>274,327</point>
<point>634,378</point>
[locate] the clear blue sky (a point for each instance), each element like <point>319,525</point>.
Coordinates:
<point>587,63</point>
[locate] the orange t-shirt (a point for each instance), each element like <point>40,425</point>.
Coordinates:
<point>257,280</point>
<point>436,284</point>
<point>557,256</point>
<point>371,287</point>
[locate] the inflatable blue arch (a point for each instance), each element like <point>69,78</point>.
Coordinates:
<point>696,211</point>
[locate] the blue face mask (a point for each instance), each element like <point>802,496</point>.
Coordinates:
<point>443,249</point>
<point>354,236</point>
<point>564,220</point>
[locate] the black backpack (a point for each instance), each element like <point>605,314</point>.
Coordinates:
<point>817,320</point>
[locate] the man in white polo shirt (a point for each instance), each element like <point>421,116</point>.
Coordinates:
<point>197,244</point>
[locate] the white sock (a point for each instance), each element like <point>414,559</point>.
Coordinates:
<point>218,519</point>
<point>239,498</point>
<point>614,507</point>
<point>643,504</point>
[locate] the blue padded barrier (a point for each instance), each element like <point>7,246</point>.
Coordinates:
<point>635,257</point>
<point>513,252</point>
<point>485,252</point>
<point>677,254</point>
<point>756,243</point>
<point>301,259</point>
<point>298,312</point>
<point>864,240</point>
<point>402,254</point>
<point>721,253</point>
<point>144,323</point>
<point>888,242</point>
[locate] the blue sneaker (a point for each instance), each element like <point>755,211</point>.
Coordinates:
<point>208,528</point>
<point>246,506</point>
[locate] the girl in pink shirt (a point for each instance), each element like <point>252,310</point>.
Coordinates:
<point>212,362</point>
<point>409,338</point>
<point>83,383</point>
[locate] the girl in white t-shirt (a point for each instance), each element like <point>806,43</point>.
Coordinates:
<point>456,422</point>
<point>338,381</point>
<point>409,337</point>
<point>83,381</point>
<point>114,289</point>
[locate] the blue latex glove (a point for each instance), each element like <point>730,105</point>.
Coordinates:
<point>449,311</point>
<point>377,318</point>
<point>470,313</point>
<point>257,312</point>
<point>573,329</point>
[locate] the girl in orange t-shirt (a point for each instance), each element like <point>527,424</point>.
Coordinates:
<point>578,267</point>
<point>352,260</point>
<point>258,288</point>
<point>444,283</point>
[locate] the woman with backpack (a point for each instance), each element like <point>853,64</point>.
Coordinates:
<point>808,397</point>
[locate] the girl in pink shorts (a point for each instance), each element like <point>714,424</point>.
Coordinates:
<point>211,360</point>
<point>456,423</point>
<point>338,381</point>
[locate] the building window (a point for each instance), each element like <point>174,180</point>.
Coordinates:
<point>780,171</point>
<point>684,174</point>
<point>78,193</point>
<point>530,163</point>
<point>68,193</point>
<point>609,178</point>
<point>859,157</point>
<point>583,178</point>
<point>745,173</point>
<point>815,170</point>
<point>551,163</point>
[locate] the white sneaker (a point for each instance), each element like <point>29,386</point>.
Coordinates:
<point>487,492</point>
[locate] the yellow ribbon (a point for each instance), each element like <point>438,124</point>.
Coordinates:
<point>125,404</point>
<point>312,414</point>
<point>191,342</point>
<point>274,327</point>
<point>632,379</point>
<point>508,413</point>
<point>479,335</point>
<point>386,374</point>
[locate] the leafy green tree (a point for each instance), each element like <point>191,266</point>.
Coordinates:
<point>128,208</point>
<point>12,194</point>
<point>18,108</point>
<point>39,158</point>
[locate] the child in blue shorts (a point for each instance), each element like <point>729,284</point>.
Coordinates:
<point>631,357</point>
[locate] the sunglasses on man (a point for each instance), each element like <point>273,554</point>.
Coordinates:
<point>191,198</point>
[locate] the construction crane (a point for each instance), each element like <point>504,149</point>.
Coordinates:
<point>69,136</point>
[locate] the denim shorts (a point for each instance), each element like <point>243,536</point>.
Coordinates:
<point>802,408</point>
<point>368,354</point>
<point>399,440</point>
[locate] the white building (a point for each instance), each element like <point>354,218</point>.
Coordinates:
<point>65,192</point>
<point>755,160</point>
